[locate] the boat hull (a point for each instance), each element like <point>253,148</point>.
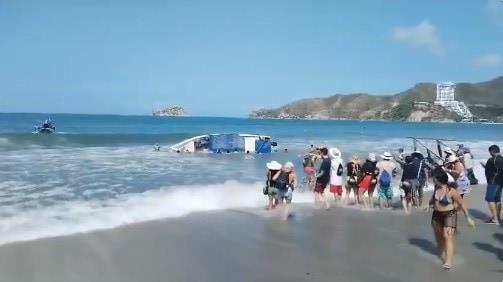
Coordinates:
<point>225,143</point>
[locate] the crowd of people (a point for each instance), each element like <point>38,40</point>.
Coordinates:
<point>452,177</point>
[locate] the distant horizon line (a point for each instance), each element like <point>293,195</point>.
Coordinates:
<point>111,114</point>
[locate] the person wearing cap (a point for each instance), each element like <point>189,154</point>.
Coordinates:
<point>285,181</point>
<point>270,190</point>
<point>353,169</point>
<point>387,170</point>
<point>369,180</point>
<point>457,170</point>
<point>322,179</point>
<point>336,172</point>
<point>448,151</point>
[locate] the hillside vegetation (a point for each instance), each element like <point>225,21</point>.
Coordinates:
<point>485,100</point>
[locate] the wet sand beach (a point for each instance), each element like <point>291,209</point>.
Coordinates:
<point>342,244</point>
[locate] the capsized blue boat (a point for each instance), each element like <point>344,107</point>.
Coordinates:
<point>226,143</point>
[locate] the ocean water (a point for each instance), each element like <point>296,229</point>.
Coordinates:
<point>100,171</point>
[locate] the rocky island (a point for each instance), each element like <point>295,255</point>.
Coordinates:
<point>419,103</point>
<point>175,111</point>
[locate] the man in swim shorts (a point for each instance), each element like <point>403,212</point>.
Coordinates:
<point>494,175</point>
<point>387,170</point>
<point>409,183</point>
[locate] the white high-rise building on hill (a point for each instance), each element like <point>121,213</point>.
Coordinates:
<point>446,98</point>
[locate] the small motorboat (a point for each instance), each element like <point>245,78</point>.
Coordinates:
<point>47,127</point>
<point>226,143</point>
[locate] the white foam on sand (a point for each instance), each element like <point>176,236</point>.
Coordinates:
<point>72,217</point>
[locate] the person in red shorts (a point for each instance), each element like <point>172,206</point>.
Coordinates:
<point>322,179</point>
<point>368,181</point>
<point>336,171</point>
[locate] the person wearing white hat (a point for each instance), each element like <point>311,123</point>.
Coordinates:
<point>387,170</point>
<point>336,172</point>
<point>270,189</point>
<point>457,170</point>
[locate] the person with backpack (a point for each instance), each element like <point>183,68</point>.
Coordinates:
<point>336,171</point>
<point>387,170</point>
<point>285,182</point>
<point>270,189</point>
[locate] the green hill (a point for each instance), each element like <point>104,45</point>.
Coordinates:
<point>485,100</point>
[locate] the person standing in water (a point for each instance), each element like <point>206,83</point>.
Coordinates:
<point>353,169</point>
<point>368,181</point>
<point>444,219</point>
<point>336,172</point>
<point>409,183</point>
<point>494,175</point>
<point>309,171</point>
<point>422,175</point>
<point>322,179</point>
<point>468,163</point>
<point>270,190</point>
<point>387,170</point>
<point>456,169</point>
<point>285,183</point>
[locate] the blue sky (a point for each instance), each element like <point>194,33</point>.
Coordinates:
<point>227,58</point>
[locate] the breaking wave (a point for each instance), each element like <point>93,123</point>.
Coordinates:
<point>83,216</point>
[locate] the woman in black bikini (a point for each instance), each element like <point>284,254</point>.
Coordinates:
<point>445,217</point>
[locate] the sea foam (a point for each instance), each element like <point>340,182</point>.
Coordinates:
<point>83,216</point>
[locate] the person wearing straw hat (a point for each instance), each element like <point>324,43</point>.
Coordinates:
<point>387,170</point>
<point>270,190</point>
<point>353,169</point>
<point>336,172</point>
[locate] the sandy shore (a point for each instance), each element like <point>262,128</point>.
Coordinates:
<point>343,244</point>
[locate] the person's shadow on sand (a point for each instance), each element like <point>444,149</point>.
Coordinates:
<point>478,214</point>
<point>498,252</point>
<point>424,245</point>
